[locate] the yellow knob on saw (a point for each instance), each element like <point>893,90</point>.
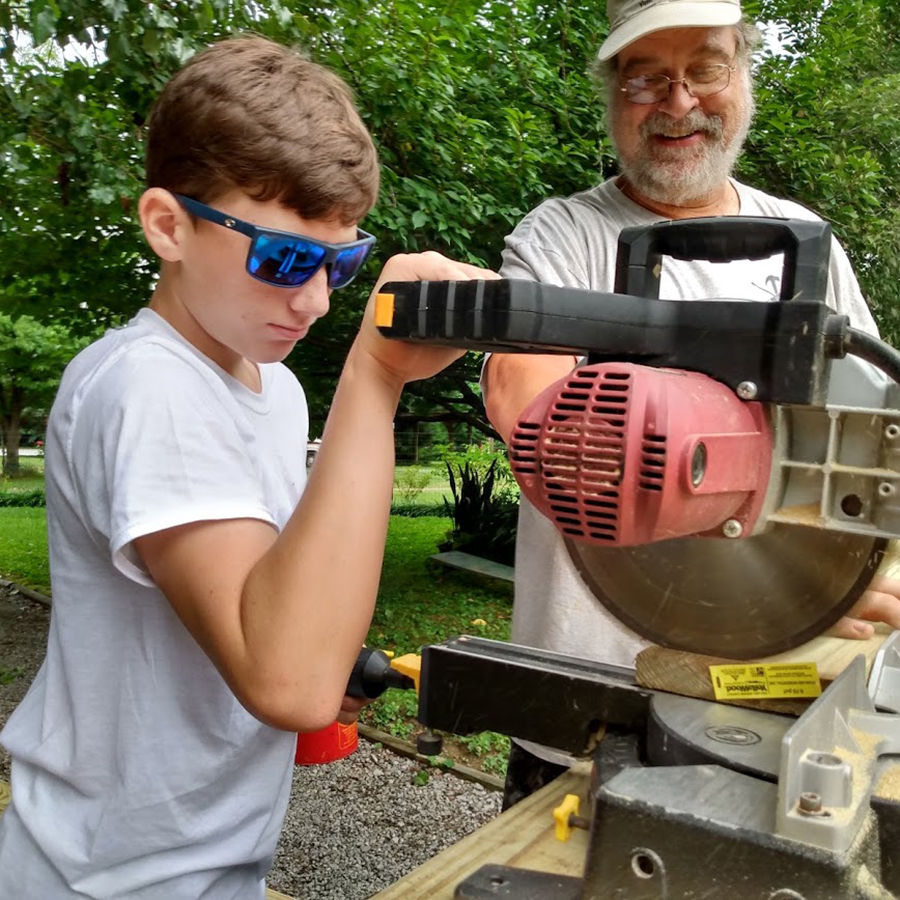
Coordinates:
<point>563,816</point>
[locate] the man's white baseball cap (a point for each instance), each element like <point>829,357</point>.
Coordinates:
<point>630,20</point>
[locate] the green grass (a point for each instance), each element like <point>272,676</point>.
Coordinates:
<point>423,485</point>
<point>23,547</point>
<point>30,476</point>
<point>420,602</point>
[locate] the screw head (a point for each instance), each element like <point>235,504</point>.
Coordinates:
<point>732,529</point>
<point>810,803</point>
<point>747,390</point>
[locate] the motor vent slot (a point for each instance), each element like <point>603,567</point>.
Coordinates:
<point>653,462</point>
<point>579,455</point>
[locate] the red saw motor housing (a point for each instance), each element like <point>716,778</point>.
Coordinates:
<point>618,454</point>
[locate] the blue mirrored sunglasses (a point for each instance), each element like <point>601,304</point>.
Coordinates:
<point>286,259</point>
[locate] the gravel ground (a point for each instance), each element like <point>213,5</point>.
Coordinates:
<point>353,827</point>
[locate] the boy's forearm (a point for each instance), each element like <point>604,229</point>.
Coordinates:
<point>307,603</point>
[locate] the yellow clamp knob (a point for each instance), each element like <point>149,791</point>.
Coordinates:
<point>410,664</point>
<point>562,814</point>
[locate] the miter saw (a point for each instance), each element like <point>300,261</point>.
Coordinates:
<point>725,474</point>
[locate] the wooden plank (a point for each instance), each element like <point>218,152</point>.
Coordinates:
<point>458,560</point>
<point>405,748</point>
<point>688,673</point>
<point>522,836</point>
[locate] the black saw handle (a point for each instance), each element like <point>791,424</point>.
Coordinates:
<point>784,348</point>
<point>806,246</point>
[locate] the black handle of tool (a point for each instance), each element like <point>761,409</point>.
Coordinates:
<point>372,675</point>
<point>806,246</point>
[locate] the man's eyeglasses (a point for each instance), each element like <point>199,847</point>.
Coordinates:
<point>285,259</point>
<point>700,82</point>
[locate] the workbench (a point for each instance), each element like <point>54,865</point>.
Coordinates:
<point>522,836</point>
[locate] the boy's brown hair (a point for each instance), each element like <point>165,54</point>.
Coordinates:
<point>251,114</point>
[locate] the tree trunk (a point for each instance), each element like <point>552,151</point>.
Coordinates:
<point>12,434</point>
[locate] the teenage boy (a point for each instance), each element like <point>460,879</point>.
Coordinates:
<point>207,602</point>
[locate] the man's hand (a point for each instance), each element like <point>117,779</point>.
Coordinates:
<point>880,603</point>
<point>413,361</point>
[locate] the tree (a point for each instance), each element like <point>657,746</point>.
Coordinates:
<point>32,359</point>
<point>827,131</point>
<point>480,109</point>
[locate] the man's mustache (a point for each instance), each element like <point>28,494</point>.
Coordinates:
<point>696,120</point>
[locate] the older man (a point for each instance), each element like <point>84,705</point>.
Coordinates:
<point>680,104</point>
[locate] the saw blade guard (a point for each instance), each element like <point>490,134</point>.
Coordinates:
<point>618,454</point>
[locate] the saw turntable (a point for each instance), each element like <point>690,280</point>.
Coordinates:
<point>726,475</point>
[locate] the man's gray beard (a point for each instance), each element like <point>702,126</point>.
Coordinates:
<point>687,177</point>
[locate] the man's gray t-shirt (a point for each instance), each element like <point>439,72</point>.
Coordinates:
<point>572,242</point>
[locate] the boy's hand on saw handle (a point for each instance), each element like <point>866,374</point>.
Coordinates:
<point>401,361</point>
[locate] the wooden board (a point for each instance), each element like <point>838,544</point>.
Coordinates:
<point>456,559</point>
<point>522,836</point>
<point>688,673</point>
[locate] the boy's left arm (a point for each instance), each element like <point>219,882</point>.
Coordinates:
<point>283,615</point>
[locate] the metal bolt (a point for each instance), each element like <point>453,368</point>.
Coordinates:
<point>732,529</point>
<point>810,804</point>
<point>579,822</point>
<point>747,390</point>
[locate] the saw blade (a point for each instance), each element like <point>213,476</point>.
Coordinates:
<point>737,599</point>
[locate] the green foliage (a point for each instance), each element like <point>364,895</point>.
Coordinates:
<point>394,712</point>
<point>485,519</point>
<point>826,131</point>
<point>491,749</point>
<point>418,510</point>
<point>409,482</point>
<point>32,358</point>
<point>8,675</point>
<point>480,109</point>
<point>32,498</point>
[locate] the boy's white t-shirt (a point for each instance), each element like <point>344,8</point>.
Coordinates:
<point>572,242</point>
<point>136,772</point>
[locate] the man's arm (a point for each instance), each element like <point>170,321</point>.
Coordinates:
<point>512,380</point>
<point>283,616</point>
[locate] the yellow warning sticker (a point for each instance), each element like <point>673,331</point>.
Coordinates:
<point>776,680</point>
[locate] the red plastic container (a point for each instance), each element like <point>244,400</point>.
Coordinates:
<point>331,743</point>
